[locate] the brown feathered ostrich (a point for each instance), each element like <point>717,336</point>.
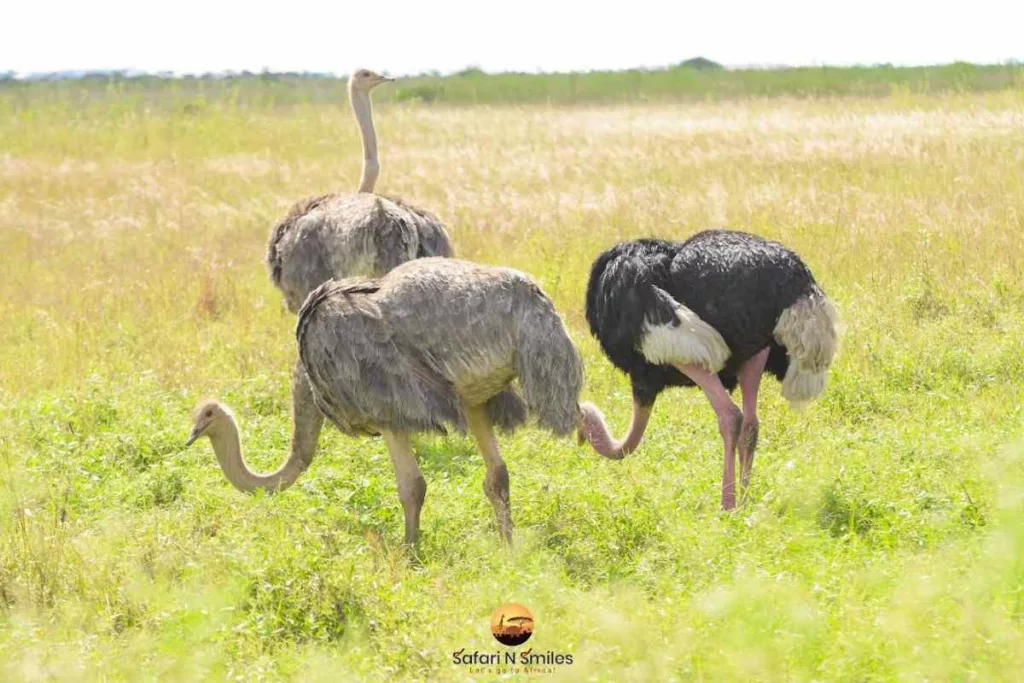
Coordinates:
<point>434,343</point>
<point>344,235</point>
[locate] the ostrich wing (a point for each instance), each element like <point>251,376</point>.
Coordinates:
<point>364,375</point>
<point>433,238</point>
<point>684,339</point>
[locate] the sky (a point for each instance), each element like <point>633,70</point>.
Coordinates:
<point>405,37</point>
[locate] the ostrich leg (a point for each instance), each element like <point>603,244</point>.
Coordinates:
<point>750,379</point>
<point>730,420</point>
<point>412,488</point>
<point>496,480</point>
<point>307,418</point>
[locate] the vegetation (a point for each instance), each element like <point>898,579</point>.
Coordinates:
<point>695,79</point>
<point>884,533</point>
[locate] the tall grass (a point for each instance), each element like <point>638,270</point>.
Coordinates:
<point>883,537</point>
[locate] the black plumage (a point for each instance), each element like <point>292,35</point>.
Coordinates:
<point>714,309</point>
<point>736,282</point>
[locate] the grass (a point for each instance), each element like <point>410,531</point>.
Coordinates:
<point>884,538</point>
<point>682,82</point>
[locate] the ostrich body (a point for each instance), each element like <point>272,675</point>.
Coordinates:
<point>348,235</point>
<point>344,235</point>
<point>715,311</point>
<point>436,343</point>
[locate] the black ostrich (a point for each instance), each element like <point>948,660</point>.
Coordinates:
<point>714,311</point>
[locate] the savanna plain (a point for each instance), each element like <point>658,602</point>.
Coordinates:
<point>883,535</point>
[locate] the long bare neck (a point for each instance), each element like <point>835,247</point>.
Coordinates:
<point>364,116</point>
<point>227,446</point>
<point>594,430</point>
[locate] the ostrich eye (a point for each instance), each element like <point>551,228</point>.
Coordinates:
<point>209,413</point>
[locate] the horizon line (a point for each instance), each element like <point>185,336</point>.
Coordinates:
<point>472,69</point>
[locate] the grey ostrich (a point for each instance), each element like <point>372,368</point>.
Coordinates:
<point>342,235</point>
<point>345,235</point>
<point>436,343</point>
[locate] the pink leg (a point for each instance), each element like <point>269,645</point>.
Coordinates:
<point>729,421</point>
<point>750,380</point>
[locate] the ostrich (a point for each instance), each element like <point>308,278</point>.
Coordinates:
<point>436,342</point>
<point>343,235</point>
<point>714,311</point>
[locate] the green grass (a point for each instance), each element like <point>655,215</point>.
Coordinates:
<point>884,536</point>
<point>473,86</point>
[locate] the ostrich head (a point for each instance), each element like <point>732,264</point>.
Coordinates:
<point>364,80</point>
<point>209,419</point>
<point>590,424</point>
<point>216,422</point>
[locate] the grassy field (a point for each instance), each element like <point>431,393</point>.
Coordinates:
<point>682,82</point>
<point>884,538</point>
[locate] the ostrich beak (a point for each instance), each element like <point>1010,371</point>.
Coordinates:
<point>196,433</point>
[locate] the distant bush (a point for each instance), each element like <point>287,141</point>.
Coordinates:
<point>701,64</point>
<point>469,71</point>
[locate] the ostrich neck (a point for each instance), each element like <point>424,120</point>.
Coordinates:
<point>227,446</point>
<point>607,445</point>
<point>364,116</point>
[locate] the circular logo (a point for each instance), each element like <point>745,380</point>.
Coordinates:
<point>512,624</point>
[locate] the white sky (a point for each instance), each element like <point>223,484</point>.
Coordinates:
<point>401,37</point>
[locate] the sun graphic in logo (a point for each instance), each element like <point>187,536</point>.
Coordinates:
<point>512,624</point>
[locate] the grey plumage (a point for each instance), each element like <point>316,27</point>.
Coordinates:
<point>347,235</point>
<point>342,235</point>
<point>409,351</point>
<point>437,343</point>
